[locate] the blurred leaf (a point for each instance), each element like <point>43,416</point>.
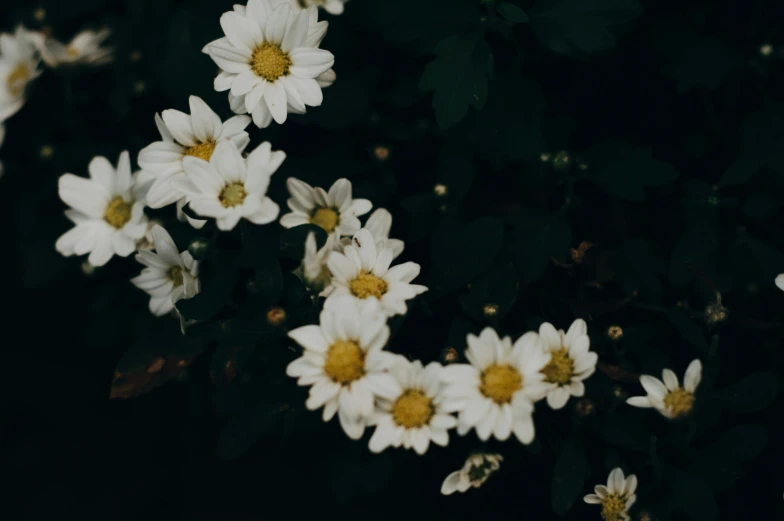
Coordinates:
<point>292,240</point>
<point>696,251</point>
<point>690,331</point>
<point>693,494</point>
<point>741,444</point>
<point>761,206</point>
<point>537,237</point>
<point>142,369</point>
<point>218,277</point>
<point>637,268</point>
<point>751,394</point>
<point>498,288</point>
<point>571,469</point>
<point>706,63</point>
<point>512,12</point>
<point>243,430</point>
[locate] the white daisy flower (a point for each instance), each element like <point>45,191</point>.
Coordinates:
<point>270,58</point>
<point>314,269</point>
<point>85,48</point>
<point>616,498</point>
<point>107,210</point>
<point>362,271</point>
<point>570,361</point>
<point>335,211</point>
<point>19,62</point>
<point>666,395</point>
<point>780,281</point>
<point>344,362</point>
<point>194,135</point>
<point>169,276</point>
<point>496,392</point>
<point>413,417</point>
<point>380,223</point>
<point>477,469</point>
<point>330,6</point>
<point>230,187</point>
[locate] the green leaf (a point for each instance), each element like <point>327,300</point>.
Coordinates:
<point>752,393</point>
<point>690,330</point>
<point>739,172</point>
<point>242,432</point>
<point>497,287</point>
<point>218,278</point>
<point>693,495</point>
<point>292,241</point>
<point>696,251</point>
<point>637,268</point>
<point>741,444</point>
<point>624,171</point>
<point>571,469</point>
<point>706,63</point>
<point>458,77</point>
<point>566,26</point>
<point>512,13</point>
<point>537,237</point>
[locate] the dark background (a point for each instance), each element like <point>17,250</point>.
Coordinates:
<point>686,79</point>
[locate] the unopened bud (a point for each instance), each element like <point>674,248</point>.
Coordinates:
<point>490,310</point>
<point>562,161</point>
<point>615,332</point>
<point>449,355</point>
<point>440,190</point>
<point>584,407</point>
<point>276,316</point>
<point>198,248</point>
<point>381,152</point>
<point>766,49</point>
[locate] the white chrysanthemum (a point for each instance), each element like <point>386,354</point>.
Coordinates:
<point>184,135</point>
<point>19,62</point>
<point>344,362</point>
<point>270,60</point>
<point>413,417</point>
<point>496,392</point>
<point>107,210</point>
<point>362,271</point>
<point>616,498</point>
<point>330,6</point>
<point>335,211</point>
<point>571,362</point>
<point>230,187</point>
<point>780,281</point>
<point>477,469</point>
<point>169,276</point>
<point>85,48</point>
<point>666,395</point>
<point>314,263</point>
<point>380,223</point>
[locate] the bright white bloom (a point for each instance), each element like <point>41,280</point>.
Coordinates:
<point>270,60</point>
<point>780,281</point>
<point>477,469</point>
<point>666,395</point>
<point>184,135</point>
<point>230,187</point>
<point>19,62</point>
<point>496,392</point>
<point>169,276</point>
<point>413,417</point>
<point>314,264</point>
<point>330,6</point>
<point>570,361</point>
<point>362,271</point>
<point>380,223</point>
<point>344,362</point>
<point>335,211</point>
<point>107,210</point>
<point>616,498</point>
<point>84,48</point>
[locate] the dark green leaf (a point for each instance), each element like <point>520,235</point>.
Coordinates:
<point>537,237</point>
<point>497,288</point>
<point>752,393</point>
<point>292,240</point>
<point>218,277</point>
<point>239,435</point>
<point>571,469</point>
<point>512,12</point>
<point>637,268</point>
<point>741,444</point>
<point>706,63</point>
<point>691,331</point>
<point>693,495</point>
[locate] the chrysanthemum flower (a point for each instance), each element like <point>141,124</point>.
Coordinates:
<point>271,60</point>
<point>335,211</point>
<point>85,48</point>
<point>170,275</point>
<point>666,395</point>
<point>616,498</point>
<point>230,187</point>
<point>362,270</point>
<point>413,417</point>
<point>107,210</point>
<point>184,135</point>
<point>379,224</point>
<point>19,62</point>
<point>495,392</point>
<point>344,362</point>
<point>314,263</point>
<point>477,469</point>
<point>570,361</point>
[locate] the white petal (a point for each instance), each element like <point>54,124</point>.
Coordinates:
<point>693,376</point>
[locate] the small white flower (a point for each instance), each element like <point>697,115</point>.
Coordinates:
<point>496,392</point>
<point>380,223</point>
<point>571,362</point>
<point>230,187</point>
<point>314,263</point>
<point>19,62</point>
<point>169,276</point>
<point>616,498</point>
<point>107,209</point>
<point>344,362</point>
<point>270,60</point>
<point>184,135</point>
<point>335,211</point>
<point>413,417</point>
<point>477,469</point>
<point>666,395</point>
<point>780,281</point>
<point>84,48</point>
<point>330,6</point>
<point>362,271</point>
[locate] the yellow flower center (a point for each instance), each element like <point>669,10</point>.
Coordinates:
<point>233,194</point>
<point>500,382</point>
<point>270,62</point>
<point>73,52</point>
<point>613,505</point>
<point>413,409</point>
<point>679,402</point>
<point>118,212</point>
<point>327,218</point>
<point>175,275</point>
<point>345,362</point>
<point>202,150</point>
<point>17,80</point>
<point>560,369</point>
<point>368,285</point>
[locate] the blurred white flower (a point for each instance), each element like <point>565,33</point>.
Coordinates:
<point>330,6</point>
<point>666,395</point>
<point>780,281</point>
<point>314,263</point>
<point>84,48</point>
<point>19,61</point>
<point>616,498</point>
<point>107,210</point>
<point>380,223</point>
<point>335,211</point>
<point>477,469</point>
<point>571,362</point>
